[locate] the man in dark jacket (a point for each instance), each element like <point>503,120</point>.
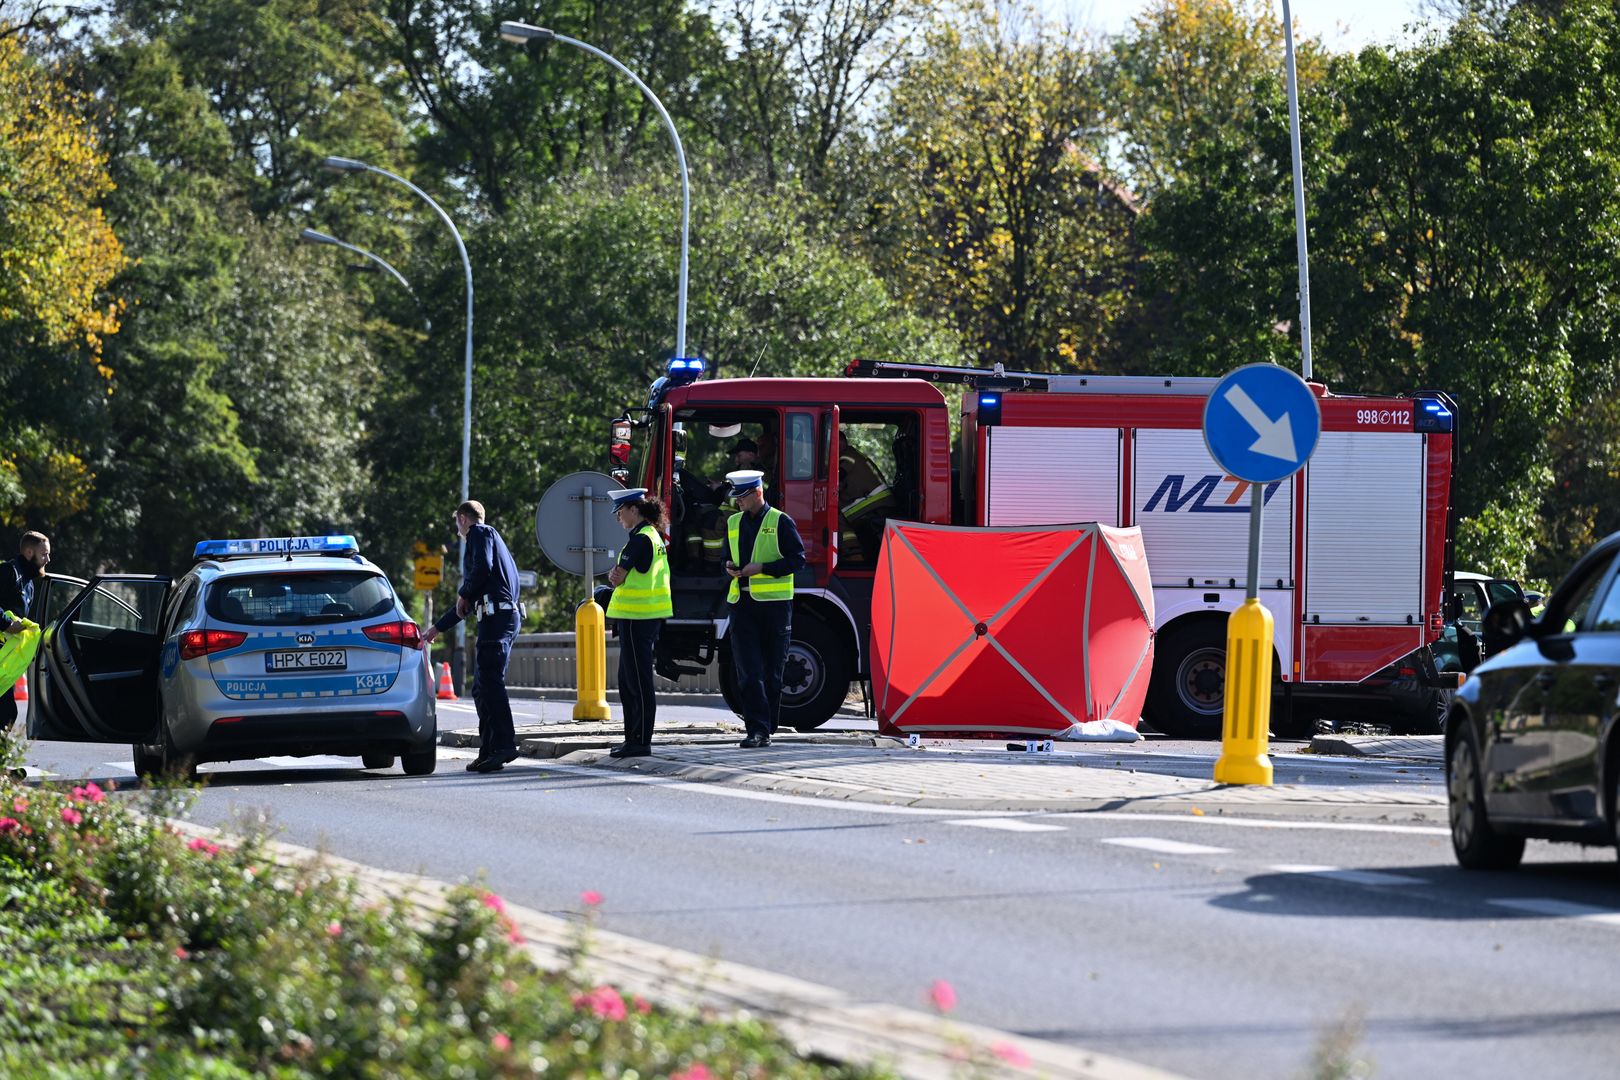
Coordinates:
<point>489,587</point>
<point>17,577</point>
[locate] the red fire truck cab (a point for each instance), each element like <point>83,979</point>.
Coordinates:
<point>1355,548</point>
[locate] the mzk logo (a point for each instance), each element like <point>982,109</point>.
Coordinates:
<point>1201,492</point>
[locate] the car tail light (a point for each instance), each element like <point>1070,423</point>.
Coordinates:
<point>195,643</point>
<point>405,634</point>
<point>1437,622</point>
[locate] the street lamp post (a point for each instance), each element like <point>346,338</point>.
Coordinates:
<point>521,33</point>
<point>311,236</point>
<point>1299,197</point>
<point>349,165</point>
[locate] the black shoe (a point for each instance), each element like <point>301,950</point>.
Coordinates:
<point>496,761</point>
<point>626,750</point>
<point>477,763</point>
<point>754,742</point>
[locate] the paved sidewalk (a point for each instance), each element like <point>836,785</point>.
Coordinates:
<point>1425,748</point>
<point>961,775</point>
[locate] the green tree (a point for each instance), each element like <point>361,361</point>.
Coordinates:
<point>58,257</point>
<point>504,117</point>
<point>1469,234</point>
<point>998,218</point>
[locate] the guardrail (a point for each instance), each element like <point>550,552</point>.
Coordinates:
<point>547,661</point>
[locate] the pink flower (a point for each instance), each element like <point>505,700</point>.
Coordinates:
<point>642,1005</point>
<point>180,951</point>
<point>20,805</point>
<point>590,898</point>
<point>513,934</point>
<point>199,844</point>
<point>604,1002</point>
<point>696,1071</point>
<point>71,816</point>
<point>1011,1055</point>
<point>943,995</point>
<point>495,903</point>
<point>93,792</point>
<point>8,823</point>
<point>501,1041</point>
<point>334,929</point>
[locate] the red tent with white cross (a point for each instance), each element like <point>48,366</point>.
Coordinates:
<point>1024,631</point>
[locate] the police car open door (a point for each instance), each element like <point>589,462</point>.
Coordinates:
<point>96,676</point>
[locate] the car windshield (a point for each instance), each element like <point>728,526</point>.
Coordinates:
<point>1503,590</point>
<point>299,599</point>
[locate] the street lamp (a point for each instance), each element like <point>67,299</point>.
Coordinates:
<point>1299,197</point>
<point>349,165</point>
<point>520,33</point>
<point>311,236</point>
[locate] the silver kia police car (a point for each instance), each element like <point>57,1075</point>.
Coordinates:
<point>287,646</point>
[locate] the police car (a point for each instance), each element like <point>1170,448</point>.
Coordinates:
<point>286,645</point>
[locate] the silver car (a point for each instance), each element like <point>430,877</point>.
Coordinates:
<point>291,645</point>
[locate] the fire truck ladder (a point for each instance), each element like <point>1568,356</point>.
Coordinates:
<point>998,378</point>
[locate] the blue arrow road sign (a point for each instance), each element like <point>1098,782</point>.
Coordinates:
<point>1261,423</point>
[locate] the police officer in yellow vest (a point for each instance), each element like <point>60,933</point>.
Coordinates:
<point>641,603</point>
<point>765,550</point>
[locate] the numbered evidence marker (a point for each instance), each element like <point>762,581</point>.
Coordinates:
<point>1261,424</point>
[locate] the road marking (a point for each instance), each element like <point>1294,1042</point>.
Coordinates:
<point>1357,877</point>
<point>1006,824</point>
<point>1163,846</point>
<point>1258,823</point>
<point>314,761</point>
<point>1561,909</point>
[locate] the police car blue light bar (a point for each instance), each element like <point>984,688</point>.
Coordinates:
<point>339,544</point>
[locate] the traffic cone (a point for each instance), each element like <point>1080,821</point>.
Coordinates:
<point>447,689</point>
<point>21,689</point>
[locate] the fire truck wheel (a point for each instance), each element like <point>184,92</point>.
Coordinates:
<point>816,678</point>
<point>1186,695</point>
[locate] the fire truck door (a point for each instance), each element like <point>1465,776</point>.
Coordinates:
<point>825,533</point>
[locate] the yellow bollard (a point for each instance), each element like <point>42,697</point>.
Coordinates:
<point>1246,730</point>
<point>590,662</point>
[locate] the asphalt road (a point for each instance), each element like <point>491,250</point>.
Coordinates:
<point>1211,947</point>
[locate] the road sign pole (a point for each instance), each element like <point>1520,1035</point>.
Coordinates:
<point>1250,631</point>
<point>1261,425</point>
<point>590,631</point>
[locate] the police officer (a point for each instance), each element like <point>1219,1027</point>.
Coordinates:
<point>489,588</point>
<point>765,551</point>
<point>641,603</point>
<point>17,577</point>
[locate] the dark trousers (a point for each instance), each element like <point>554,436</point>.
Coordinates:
<point>8,707</point>
<point>494,648</point>
<point>638,639</point>
<point>759,636</point>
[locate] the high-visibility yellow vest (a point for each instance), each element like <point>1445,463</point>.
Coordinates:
<point>645,595</point>
<point>760,586</point>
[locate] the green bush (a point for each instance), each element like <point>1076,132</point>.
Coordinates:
<point>128,949</point>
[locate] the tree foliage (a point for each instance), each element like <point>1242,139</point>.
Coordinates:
<point>999,218</point>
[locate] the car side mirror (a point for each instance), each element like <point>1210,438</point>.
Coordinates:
<point>1506,624</point>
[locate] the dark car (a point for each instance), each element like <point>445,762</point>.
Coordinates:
<point>1530,743</point>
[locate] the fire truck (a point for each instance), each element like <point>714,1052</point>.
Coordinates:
<point>1355,549</point>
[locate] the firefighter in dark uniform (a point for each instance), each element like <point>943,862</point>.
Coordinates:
<point>640,602</point>
<point>489,589</point>
<point>17,577</point>
<point>765,550</point>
